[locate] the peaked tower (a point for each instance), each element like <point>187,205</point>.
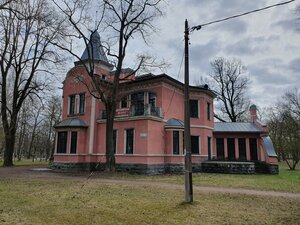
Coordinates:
<point>94,51</point>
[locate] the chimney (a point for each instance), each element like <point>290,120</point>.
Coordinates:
<point>253,114</point>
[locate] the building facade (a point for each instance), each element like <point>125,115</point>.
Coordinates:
<point>148,128</point>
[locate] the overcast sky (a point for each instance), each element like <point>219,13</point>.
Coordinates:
<point>267,42</point>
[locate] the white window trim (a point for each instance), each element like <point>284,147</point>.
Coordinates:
<point>125,137</point>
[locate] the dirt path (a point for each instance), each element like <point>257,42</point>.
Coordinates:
<point>42,173</point>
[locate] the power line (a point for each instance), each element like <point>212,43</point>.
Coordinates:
<point>240,15</point>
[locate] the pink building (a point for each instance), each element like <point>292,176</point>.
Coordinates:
<point>148,127</point>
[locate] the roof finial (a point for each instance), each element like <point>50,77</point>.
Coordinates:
<point>96,21</point>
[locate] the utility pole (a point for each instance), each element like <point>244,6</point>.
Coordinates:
<point>187,132</point>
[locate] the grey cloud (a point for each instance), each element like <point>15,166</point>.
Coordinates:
<point>288,25</point>
<point>249,45</point>
<point>294,65</point>
<point>236,27</point>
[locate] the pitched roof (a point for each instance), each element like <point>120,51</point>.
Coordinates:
<point>95,49</point>
<point>236,127</point>
<point>72,122</point>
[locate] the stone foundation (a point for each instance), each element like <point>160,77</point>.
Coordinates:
<point>228,167</point>
<point>206,167</point>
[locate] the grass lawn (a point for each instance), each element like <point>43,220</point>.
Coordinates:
<point>46,202</point>
<point>286,180</point>
<point>27,162</point>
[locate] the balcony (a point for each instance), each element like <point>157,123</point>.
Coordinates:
<point>145,110</point>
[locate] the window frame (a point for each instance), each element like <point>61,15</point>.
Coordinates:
<point>72,103</point>
<point>80,107</point>
<point>208,110</point>
<point>198,138</point>
<point>59,142</point>
<point>126,151</point>
<point>176,144</point>
<point>73,145</point>
<point>194,112</point>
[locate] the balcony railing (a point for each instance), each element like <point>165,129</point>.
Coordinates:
<point>145,110</point>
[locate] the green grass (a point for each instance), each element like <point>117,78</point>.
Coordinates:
<point>27,162</point>
<point>46,202</point>
<point>286,180</point>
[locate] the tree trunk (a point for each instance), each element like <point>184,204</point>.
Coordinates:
<point>110,156</point>
<point>9,148</point>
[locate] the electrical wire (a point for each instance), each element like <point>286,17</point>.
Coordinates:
<point>198,27</point>
<point>177,79</point>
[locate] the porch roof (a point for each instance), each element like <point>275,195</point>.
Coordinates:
<point>174,123</point>
<point>72,122</point>
<point>236,127</point>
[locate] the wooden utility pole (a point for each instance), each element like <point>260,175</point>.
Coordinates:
<point>187,132</point>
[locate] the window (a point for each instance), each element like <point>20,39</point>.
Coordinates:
<point>220,148</point>
<point>195,144</point>
<point>208,111</point>
<point>129,141</point>
<point>81,103</point>
<point>176,142</point>
<point>137,101</point>
<point>71,104</point>
<point>62,142</point>
<point>209,147</point>
<point>124,102</point>
<point>73,147</point>
<point>194,108</point>
<point>242,149</point>
<point>231,148</point>
<point>152,101</point>
<point>115,140</point>
<point>253,149</point>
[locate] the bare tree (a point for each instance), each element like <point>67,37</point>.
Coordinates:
<point>121,21</point>
<point>25,53</point>
<point>230,84</point>
<point>284,126</point>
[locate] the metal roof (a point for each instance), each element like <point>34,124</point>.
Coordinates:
<point>174,123</point>
<point>269,146</point>
<point>95,49</point>
<point>236,127</point>
<point>73,122</point>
